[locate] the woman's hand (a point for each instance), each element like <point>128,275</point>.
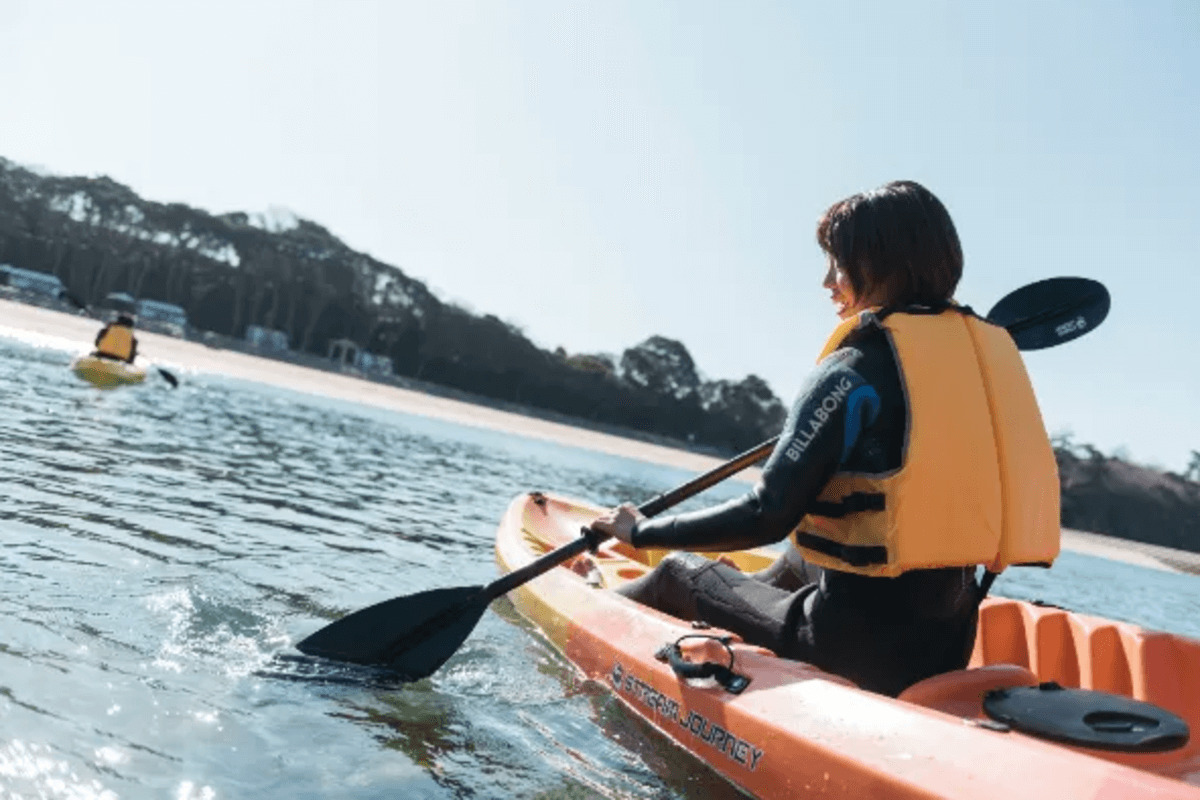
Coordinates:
<point>619,522</point>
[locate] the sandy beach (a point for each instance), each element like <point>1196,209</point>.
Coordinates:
<point>185,356</point>
<point>1145,555</point>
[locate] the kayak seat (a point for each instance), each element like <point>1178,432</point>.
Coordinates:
<point>961,692</point>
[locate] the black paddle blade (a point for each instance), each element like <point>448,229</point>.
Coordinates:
<point>412,635</point>
<point>1052,311</point>
<point>168,377</point>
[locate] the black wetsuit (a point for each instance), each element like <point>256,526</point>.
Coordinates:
<point>882,633</point>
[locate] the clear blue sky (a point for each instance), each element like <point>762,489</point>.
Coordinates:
<point>597,172</point>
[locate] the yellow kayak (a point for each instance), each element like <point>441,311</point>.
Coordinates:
<point>107,373</point>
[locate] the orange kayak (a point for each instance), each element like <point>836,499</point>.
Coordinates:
<point>785,729</point>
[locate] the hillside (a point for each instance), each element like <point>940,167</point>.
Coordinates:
<point>1108,495</point>
<point>233,270</point>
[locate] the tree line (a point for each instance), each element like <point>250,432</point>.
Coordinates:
<point>227,273</point>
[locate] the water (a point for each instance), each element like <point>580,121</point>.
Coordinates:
<point>163,550</point>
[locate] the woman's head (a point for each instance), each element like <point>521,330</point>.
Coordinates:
<point>893,246</point>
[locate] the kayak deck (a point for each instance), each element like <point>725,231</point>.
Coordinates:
<point>796,729</point>
<point>107,373</point>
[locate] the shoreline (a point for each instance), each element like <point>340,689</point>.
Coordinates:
<point>189,356</point>
<point>1141,554</point>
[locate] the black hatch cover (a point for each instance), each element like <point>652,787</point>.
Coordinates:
<point>1083,717</point>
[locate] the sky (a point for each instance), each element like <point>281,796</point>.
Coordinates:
<point>600,171</point>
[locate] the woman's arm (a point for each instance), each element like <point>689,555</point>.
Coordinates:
<point>834,406</point>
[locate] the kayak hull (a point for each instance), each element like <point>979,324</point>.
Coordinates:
<point>797,731</point>
<point>107,373</point>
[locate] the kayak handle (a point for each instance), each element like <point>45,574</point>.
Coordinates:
<point>723,674</point>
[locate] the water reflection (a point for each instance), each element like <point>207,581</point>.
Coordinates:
<point>37,770</point>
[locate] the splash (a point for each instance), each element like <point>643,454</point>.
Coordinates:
<point>43,341</point>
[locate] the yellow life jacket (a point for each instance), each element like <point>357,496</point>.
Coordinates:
<point>977,484</point>
<point>117,342</point>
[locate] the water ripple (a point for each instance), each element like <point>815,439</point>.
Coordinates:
<point>163,550</point>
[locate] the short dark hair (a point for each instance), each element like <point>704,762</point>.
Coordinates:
<point>897,242</point>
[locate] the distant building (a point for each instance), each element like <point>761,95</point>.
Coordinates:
<point>347,354</point>
<point>266,339</point>
<point>162,317</point>
<point>373,363</point>
<point>343,352</point>
<point>28,280</point>
<point>119,302</point>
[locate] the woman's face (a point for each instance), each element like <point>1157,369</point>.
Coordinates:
<point>845,301</point>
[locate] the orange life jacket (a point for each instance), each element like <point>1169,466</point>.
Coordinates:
<point>116,342</point>
<point>977,484</point>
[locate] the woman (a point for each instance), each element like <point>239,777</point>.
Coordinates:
<point>914,453</point>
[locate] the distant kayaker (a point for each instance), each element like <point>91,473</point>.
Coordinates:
<point>116,340</point>
<point>914,453</point>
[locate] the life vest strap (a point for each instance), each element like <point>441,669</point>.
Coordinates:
<point>856,555</point>
<point>985,583</point>
<point>850,504</point>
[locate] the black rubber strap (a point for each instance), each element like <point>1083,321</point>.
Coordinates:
<point>986,582</point>
<point>856,555</point>
<point>723,674</point>
<point>852,503</point>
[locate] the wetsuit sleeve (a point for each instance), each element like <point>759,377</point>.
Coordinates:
<point>100,336</point>
<point>834,406</point>
<point>132,348</point>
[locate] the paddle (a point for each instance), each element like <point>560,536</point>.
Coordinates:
<point>75,301</point>
<point>1052,311</point>
<point>416,634</point>
<point>167,376</point>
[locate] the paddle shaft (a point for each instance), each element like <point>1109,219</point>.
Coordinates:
<point>655,505</point>
<point>714,476</point>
